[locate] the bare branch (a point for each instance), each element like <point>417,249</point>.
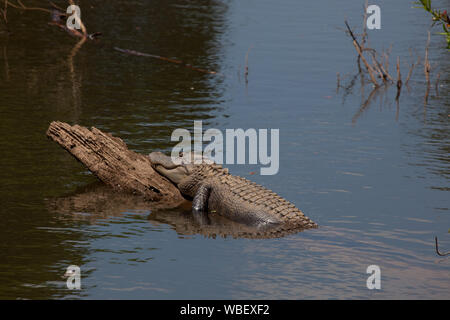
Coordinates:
<point>358,49</point>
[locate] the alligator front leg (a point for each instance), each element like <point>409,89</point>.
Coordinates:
<point>200,204</point>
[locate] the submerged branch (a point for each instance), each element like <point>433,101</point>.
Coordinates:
<point>142,54</point>
<point>437,249</point>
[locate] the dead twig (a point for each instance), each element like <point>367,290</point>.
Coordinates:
<point>399,80</point>
<point>359,50</point>
<point>364,38</point>
<point>399,89</point>
<point>381,70</point>
<point>23,7</point>
<point>338,82</point>
<point>427,68</point>
<point>246,65</point>
<point>364,34</point>
<point>386,58</point>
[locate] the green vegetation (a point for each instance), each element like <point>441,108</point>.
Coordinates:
<point>440,18</point>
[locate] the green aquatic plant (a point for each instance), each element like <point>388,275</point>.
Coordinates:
<point>438,17</point>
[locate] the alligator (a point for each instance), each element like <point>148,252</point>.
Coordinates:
<point>213,189</point>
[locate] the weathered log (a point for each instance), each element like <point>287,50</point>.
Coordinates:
<point>109,159</point>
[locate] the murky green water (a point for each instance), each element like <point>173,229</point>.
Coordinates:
<point>375,178</point>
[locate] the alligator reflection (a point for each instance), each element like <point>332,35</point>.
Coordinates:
<point>97,201</point>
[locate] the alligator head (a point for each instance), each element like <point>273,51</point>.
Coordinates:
<point>165,166</point>
<point>176,170</point>
<point>187,171</point>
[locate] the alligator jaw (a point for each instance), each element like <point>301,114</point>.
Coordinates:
<point>175,175</point>
<point>159,158</point>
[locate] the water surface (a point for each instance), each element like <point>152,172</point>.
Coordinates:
<point>375,179</point>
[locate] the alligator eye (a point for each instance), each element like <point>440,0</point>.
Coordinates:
<point>180,154</point>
